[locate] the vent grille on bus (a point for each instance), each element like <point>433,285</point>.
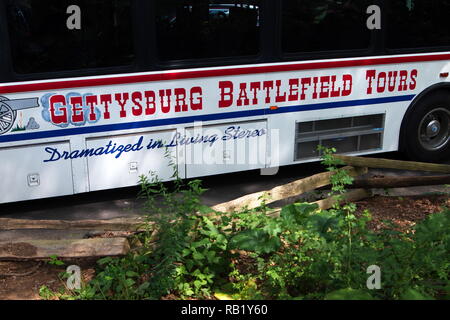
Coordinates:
<point>347,135</point>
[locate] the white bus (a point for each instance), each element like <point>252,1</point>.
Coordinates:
<point>95,93</point>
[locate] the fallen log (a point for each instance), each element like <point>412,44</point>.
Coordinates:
<point>325,204</point>
<point>291,189</point>
<point>393,164</point>
<point>121,224</point>
<point>400,182</point>
<point>350,196</point>
<point>21,235</point>
<point>64,249</point>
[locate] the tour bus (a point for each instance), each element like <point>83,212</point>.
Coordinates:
<point>96,93</point>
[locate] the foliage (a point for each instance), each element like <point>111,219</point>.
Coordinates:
<point>55,261</point>
<point>258,241</point>
<point>303,253</point>
<point>348,294</point>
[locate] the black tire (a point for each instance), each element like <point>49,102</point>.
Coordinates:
<point>426,130</point>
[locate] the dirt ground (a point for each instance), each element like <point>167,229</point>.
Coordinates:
<point>22,280</point>
<point>405,212</point>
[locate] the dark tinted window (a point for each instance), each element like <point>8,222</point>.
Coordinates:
<point>206,29</point>
<point>419,23</point>
<point>324,25</point>
<point>42,42</point>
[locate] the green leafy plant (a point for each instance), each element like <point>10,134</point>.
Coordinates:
<point>55,261</point>
<point>46,293</point>
<point>190,250</point>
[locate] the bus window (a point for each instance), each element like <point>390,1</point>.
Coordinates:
<point>41,40</point>
<point>324,25</point>
<point>196,29</point>
<point>418,23</point>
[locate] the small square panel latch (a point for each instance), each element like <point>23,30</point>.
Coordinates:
<point>227,155</point>
<point>34,180</point>
<point>133,167</point>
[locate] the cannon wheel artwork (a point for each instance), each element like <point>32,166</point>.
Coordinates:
<point>7,116</point>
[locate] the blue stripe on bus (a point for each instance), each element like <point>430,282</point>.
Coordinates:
<point>191,119</point>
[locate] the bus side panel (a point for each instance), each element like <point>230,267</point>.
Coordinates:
<point>141,154</point>
<point>226,148</point>
<point>25,175</point>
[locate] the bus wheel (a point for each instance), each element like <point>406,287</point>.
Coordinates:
<point>7,116</point>
<point>427,130</point>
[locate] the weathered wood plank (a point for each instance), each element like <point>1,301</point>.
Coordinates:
<point>400,182</point>
<point>393,164</point>
<point>285,191</point>
<point>121,224</point>
<point>64,249</point>
<point>353,195</point>
<point>350,196</point>
<point>42,234</point>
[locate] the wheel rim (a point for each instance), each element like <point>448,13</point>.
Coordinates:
<point>434,131</point>
<point>7,117</point>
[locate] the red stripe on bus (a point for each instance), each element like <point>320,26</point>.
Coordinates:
<point>69,84</point>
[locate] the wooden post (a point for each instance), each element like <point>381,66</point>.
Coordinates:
<point>400,182</point>
<point>83,248</point>
<point>349,196</point>
<point>121,224</point>
<point>294,188</point>
<point>393,164</point>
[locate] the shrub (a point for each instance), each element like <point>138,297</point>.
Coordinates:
<point>304,253</point>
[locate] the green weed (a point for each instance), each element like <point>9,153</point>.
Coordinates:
<point>189,250</point>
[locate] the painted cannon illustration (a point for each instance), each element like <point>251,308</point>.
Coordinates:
<point>9,108</point>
